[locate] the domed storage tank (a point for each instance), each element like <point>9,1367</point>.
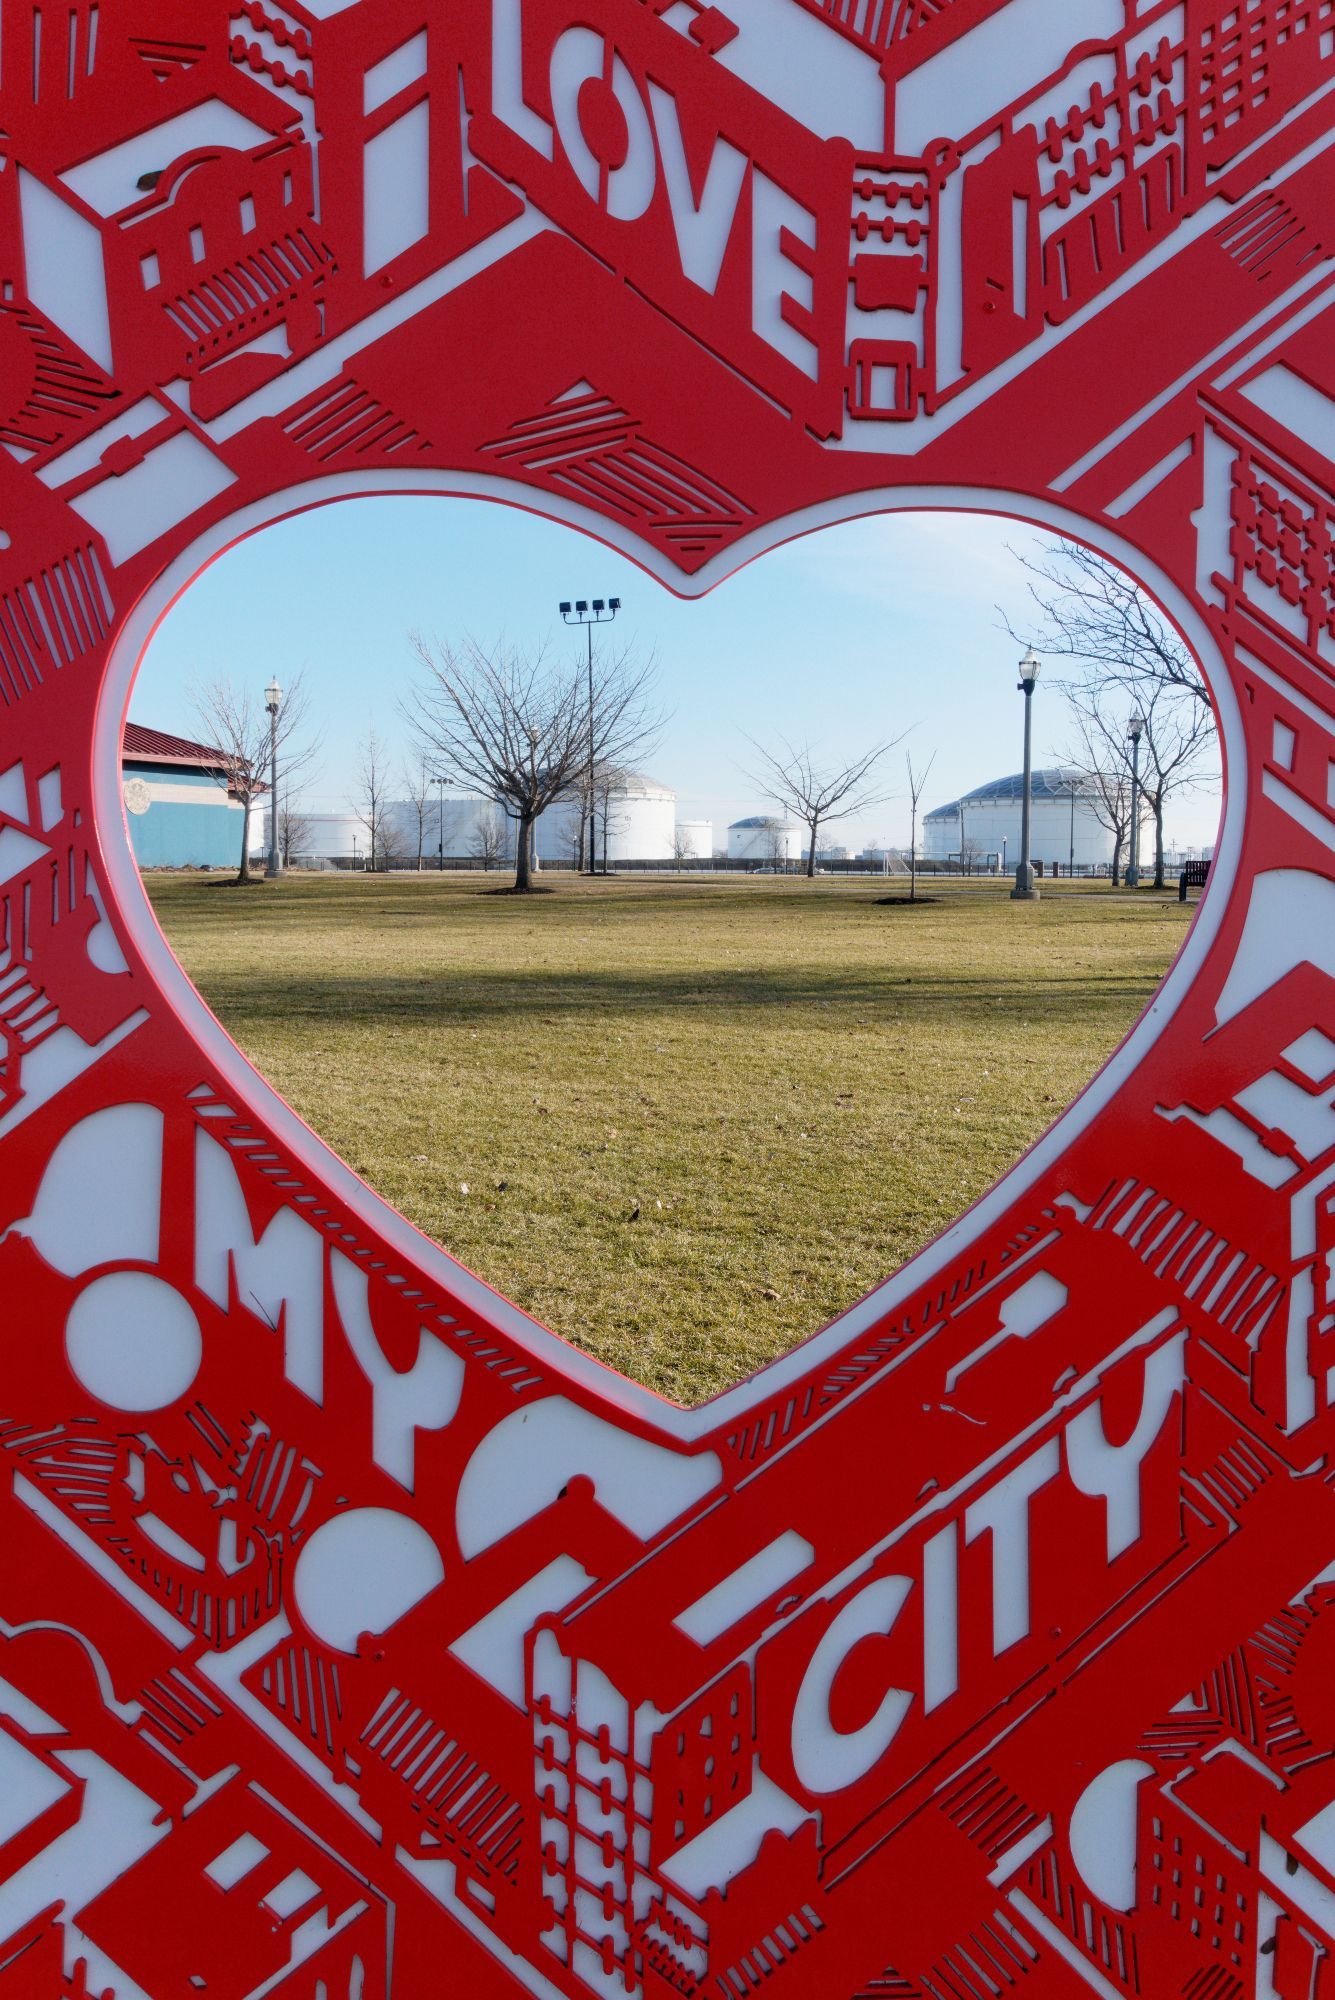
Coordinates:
<point>764,838</point>
<point>984,825</point>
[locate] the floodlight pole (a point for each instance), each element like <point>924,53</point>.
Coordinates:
<point>1024,890</point>
<point>273,701</point>
<point>581,612</point>
<point>1135,729</point>
<point>441,781</point>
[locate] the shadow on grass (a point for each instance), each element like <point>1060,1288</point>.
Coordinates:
<point>475,996</point>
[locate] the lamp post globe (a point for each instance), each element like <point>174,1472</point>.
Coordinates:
<point>1135,730</point>
<point>273,701</point>
<point>1024,890</point>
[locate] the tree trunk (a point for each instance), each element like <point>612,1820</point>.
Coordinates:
<point>523,879</point>
<point>1117,858</point>
<point>243,872</point>
<point>1159,880</point>
<point>812,826</point>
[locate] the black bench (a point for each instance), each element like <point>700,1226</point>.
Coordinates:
<point>1195,875</point>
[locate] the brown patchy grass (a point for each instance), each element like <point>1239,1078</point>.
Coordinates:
<point>683,1123</point>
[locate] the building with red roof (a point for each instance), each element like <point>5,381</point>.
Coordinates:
<point>181,810</point>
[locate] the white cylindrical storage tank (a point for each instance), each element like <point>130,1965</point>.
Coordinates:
<point>464,828</point>
<point>640,821</point>
<point>317,837</point>
<point>694,840</point>
<point>639,813</point>
<point>766,839</point>
<point>983,827</point>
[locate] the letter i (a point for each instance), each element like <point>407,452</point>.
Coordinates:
<point>940,1618</point>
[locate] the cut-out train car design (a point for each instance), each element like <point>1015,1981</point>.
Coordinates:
<point>356,1635</point>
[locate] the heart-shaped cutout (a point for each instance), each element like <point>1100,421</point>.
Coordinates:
<point>682,1129</point>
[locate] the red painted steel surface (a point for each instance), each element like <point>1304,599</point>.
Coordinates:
<point>356,1637</point>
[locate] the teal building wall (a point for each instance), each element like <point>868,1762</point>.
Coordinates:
<point>201,831</point>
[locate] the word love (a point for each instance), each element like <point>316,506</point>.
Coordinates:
<point>608,139</point>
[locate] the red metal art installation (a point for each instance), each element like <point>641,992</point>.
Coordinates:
<point>358,1639</point>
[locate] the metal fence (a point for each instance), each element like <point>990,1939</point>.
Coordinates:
<point>1192,872</point>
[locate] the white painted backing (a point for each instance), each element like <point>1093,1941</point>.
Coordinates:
<point>746,1587</point>
<point>827,83</point>
<point>100,1196</point>
<point>172,482</point>
<point>522,1464</point>
<point>494,1647</point>
<point>732,1842</point>
<point>397,188</point>
<point>133,1341</point>
<point>402,66</point>
<point>62,252</point>
<point>107,182</point>
<point>967,82</point>
<point>1295,404</point>
<point>361,1571</point>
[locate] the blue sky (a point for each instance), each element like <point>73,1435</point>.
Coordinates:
<point>856,633</point>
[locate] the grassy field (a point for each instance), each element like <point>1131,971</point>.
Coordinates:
<point>683,1123</point>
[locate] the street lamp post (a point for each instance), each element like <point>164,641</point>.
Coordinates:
<point>273,701</point>
<point>581,612</point>
<point>1070,860</point>
<point>1135,729</point>
<point>1024,890</point>
<point>440,780</point>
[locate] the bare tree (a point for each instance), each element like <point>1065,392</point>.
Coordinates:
<point>1095,615</point>
<point>917,781</point>
<point>1124,658</point>
<point>516,725</point>
<point>574,827</point>
<point>417,783</point>
<point>294,829</point>
<point>1176,740</point>
<point>487,844</point>
<point>1175,743</point>
<point>371,801</point>
<point>237,726</point>
<point>609,791</point>
<point>1097,755</point>
<point>814,795</point>
<point>681,845</point>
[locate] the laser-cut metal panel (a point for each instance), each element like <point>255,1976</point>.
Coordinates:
<point>355,1634</point>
